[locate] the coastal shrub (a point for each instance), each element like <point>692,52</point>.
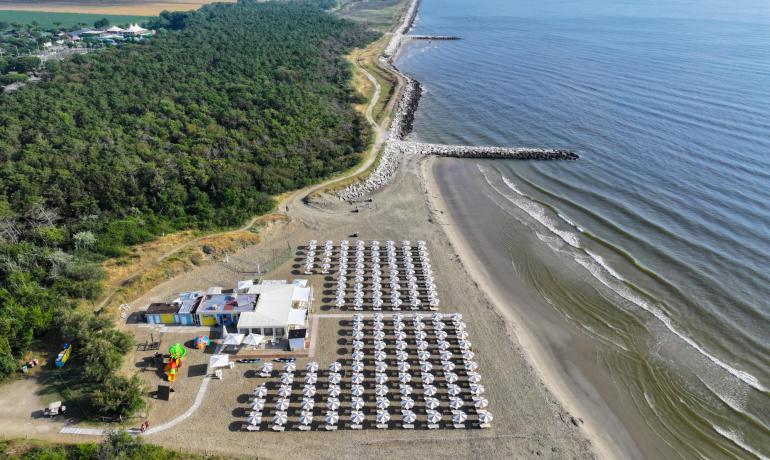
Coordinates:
<point>118,395</point>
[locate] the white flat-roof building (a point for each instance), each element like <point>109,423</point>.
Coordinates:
<point>280,307</point>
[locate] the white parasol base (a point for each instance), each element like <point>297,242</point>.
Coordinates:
<point>382,426</point>
<point>331,427</point>
<point>278,427</point>
<point>408,426</point>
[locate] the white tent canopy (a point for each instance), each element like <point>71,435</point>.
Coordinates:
<point>301,294</point>
<point>253,340</point>
<point>217,361</point>
<point>233,339</point>
<point>297,317</point>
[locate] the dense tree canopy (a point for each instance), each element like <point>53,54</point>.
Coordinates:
<point>197,127</point>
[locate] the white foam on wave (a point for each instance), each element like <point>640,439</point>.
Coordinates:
<point>600,260</point>
<point>735,438</point>
<point>625,292</point>
<point>616,283</point>
<point>539,213</point>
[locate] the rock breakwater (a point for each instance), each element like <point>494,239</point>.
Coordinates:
<point>470,151</point>
<point>396,148</point>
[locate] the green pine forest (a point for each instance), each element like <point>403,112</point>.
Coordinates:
<point>196,128</point>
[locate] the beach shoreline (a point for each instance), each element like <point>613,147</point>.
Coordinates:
<point>532,350</point>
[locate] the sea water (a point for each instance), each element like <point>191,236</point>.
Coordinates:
<point>665,219</point>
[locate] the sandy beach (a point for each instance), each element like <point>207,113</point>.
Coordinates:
<point>529,419</point>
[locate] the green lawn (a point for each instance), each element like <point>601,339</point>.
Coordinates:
<point>46,19</point>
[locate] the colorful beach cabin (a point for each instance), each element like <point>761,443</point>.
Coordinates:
<point>162,313</point>
<point>188,302</point>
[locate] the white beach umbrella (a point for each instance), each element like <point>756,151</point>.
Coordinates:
<point>382,403</point>
<point>468,355</point>
<point>334,390</point>
<point>260,391</point>
<point>379,345</point>
<point>335,378</point>
<point>432,403</point>
<point>459,417</point>
<point>427,378</point>
<point>404,377</point>
<point>401,345</point>
<point>420,335</point>
<point>357,366</point>
<point>267,367</point>
<point>357,390</point>
<point>357,417</point>
<point>474,377</point>
<point>485,417</point>
<point>477,389</point>
<point>381,390</point>
<point>333,403</point>
<point>397,318</point>
<point>401,355</point>
<point>357,378</point>
<point>332,417</point>
<point>403,366</point>
<point>281,404</point>
<point>480,402</point>
<point>379,355</point>
<point>358,335</point>
<point>453,389</point>
<point>307,404</point>
<point>445,355</point>
<point>422,345</point>
<point>407,402</point>
<point>456,403</point>
<point>407,416</point>
<point>434,417</point>
<point>380,366</point>
<point>357,403</point>
<point>308,391</point>
<point>380,378</point>
<point>335,367</point>
<point>400,335</point>
<point>450,377</point>
<point>441,335</point>
<point>383,417</point>
<point>429,390</point>
<point>358,355</point>
<point>290,366</point>
<point>443,345</point>
<point>423,355</point>
<point>311,378</point>
<point>358,345</point>
<point>405,390</point>
<point>284,391</point>
<point>306,418</point>
<point>255,419</point>
<point>463,335</point>
<point>471,365</point>
<point>457,317</point>
<point>437,316</point>
<point>448,366</point>
<point>258,404</point>
<point>287,379</point>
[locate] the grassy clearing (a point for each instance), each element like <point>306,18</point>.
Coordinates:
<point>379,14</point>
<point>48,19</point>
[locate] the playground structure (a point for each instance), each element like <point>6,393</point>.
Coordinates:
<point>176,352</point>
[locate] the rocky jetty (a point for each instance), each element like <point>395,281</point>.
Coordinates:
<point>396,148</point>
<point>470,151</point>
<point>434,37</point>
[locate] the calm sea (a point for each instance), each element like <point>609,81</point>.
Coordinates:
<point>664,221</point>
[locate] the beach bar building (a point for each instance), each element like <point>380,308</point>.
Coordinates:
<point>281,307</point>
<point>188,302</point>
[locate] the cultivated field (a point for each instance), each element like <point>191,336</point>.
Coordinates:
<point>49,19</point>
<point>114,7</point>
